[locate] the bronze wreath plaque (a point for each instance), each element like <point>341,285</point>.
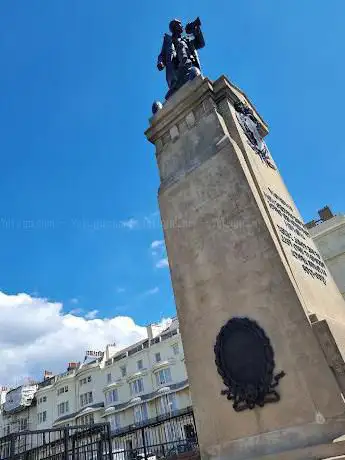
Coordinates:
<point>245,361</point>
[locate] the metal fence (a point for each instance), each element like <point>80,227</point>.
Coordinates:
<point>163,437</point>
<point>70,443</point>
<point>160,438</point>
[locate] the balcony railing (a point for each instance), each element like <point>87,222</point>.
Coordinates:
<point>66,374</point>
<point>154,420</point>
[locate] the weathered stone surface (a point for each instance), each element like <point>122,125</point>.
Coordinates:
<point>174,133</point>
<point>330,350</point>
<point>228,258</point>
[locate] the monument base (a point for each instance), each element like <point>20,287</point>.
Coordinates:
<point>239,253</point>
<point>304,442</point>
<point>321,452</point>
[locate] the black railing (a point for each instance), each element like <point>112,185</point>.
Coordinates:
<point>69,443</point>
<point>160,438</point>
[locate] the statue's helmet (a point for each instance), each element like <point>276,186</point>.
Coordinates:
<point>175,25</point>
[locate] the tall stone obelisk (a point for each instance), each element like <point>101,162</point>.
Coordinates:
<point>246,276</point>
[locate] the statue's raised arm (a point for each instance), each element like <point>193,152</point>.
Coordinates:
<point>178,54</point>
<point>194,28</point>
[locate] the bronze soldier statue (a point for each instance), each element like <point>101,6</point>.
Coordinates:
<point>179,56</point>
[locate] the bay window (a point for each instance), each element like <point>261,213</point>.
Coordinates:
<point>111,396</point>
<point>115,422</point>
<point>167,404</point>
<point>137,386</point>
<point>163,376</point>
<point>140,413</point>
<point>86,398</point>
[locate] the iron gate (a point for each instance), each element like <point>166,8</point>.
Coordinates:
<point>164,437</point>
<point>69,443</point>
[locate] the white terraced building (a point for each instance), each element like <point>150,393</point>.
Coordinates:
<point>328,233</point>
<point>139,383</point>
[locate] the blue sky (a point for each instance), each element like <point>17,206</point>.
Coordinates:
<point>77,82</point>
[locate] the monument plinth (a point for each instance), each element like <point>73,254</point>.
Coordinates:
<point>246,276</point>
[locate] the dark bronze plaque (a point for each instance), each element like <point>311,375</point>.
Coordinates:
<point>245,361</point>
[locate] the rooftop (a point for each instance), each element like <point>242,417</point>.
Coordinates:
<point>327,223</point>
<point>73,368</point>
<point>325,214</point>
<point>164,334</point>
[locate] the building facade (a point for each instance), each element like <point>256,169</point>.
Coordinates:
<point>17,409</point>
<point>328,233</point>
<point>126,388</point>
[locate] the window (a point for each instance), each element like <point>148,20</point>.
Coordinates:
<point>155,340</point>
<point>140,413</point>
<point>86,398</point>
<point>41,417</point>
<point>163,376</point>
<point>167,404</point>
<point>23,424</point>
<point>44,399</point>
<point>108,378</point>
<point>140,364</point>
<point>85,380</point>
<point>175,349</point>
<point>137,386</point>
<point>115,422</point>
<point>86,420</point>
<point>123,371</point>
<point>158,357</point>
<point>63,408</point>
<point>62,390</point>
<point>111,396</point>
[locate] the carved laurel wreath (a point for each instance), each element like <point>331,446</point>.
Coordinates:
<point>245,361</point>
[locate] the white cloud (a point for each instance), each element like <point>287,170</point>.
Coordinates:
<point>130,223</point>
<point>159,254</point>
<point>152,291</point>
<point>91,314</point>
<point>162,263</point>
<point>74,300</point>
<point>157,244</point>
<point>35,334</point>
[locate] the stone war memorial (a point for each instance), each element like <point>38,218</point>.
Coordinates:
<point>262,320</point>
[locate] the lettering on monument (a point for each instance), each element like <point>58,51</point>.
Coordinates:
<point>294,235</point>
<point>245,361</point>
